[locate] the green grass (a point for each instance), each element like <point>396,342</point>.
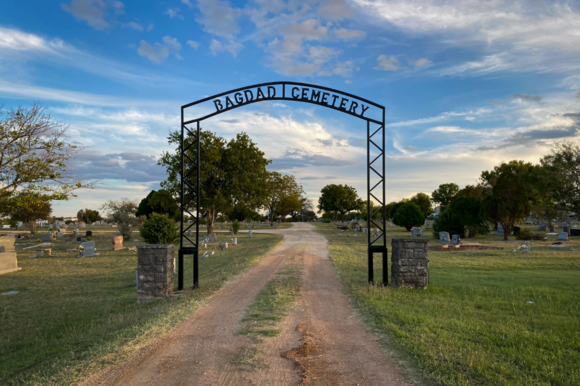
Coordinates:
<point>474,323</point>
<point>74,316</point>
<point>272,303</point>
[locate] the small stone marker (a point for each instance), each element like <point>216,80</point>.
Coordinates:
<point>542,228</point>
<point>499,230</point>
<point>8,262</point>
<point>117,243</point>
<point>69,239</point>
<point>89,233</point>
<point>444,238</point>
<point>250,233</point>
<point>46,237</point>
<point>563,236</point>
<point>235,241</point>
<point>88,249</point>
<point>517,231</point>
<point>417,232</point>
<point>59,235</point>
<point>82,224</point>
<point>456,239</point>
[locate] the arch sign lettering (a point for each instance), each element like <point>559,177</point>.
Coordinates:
<point>194,113</point>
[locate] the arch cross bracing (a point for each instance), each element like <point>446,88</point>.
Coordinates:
<point>194,113</point>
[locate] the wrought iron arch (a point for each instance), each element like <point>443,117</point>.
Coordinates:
<point>284,91</point>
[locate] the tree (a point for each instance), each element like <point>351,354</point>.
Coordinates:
<point>391,208</point>
<point>88,215</point>
<point>423,202</point>
<point>282,189</point>
<point>160,202</point>
<point>563,165</point>
<point>339,199</point>
<point>291,205</point>
<point>466,210</point>
<point>408,216</point>
<point>232,173</point>
<point>34,158</point>
<point>444,194</point>
<point>123,213</point>
<point>512,192</point>
<point>159,229</point>
<point>32,207</point>
<point>448,221</point>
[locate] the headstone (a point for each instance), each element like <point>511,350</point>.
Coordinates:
<point>89,233</point>
<point>566,229</point>
<point>499,230</point>
<point>82,224</point>
<point>563,236</point>
<point>417,232</point>
<point>574,231</point>
<point>542,227</point>
<point>69,239</point>
<point>444,238</point>
<point>250,233</point>
<point>88,249</point>
<point>59,235</point>
<point>46,237</point>
<point>456,239</point>
<point>517,231</point>
<point>235,241</point>
<point>117,243</point>
<point>8,262</point>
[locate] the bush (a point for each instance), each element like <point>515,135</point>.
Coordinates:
<point>448,221</point>
<point>158,229</point>
<point>408,216</point>
<point>528,234</point>
<point>236,226</point>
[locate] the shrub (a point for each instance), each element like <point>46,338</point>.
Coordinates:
<point>525,234</point>
<point>236,226</point>
<point>408,216</point>
<point>448,221</point>
<point>158,229</point>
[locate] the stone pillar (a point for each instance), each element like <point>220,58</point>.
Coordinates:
<point>8,261</point>
<point>154,271</point>
<point>409,263</point>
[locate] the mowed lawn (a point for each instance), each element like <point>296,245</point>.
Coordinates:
<point>76,315</point>
<point>487,317</point>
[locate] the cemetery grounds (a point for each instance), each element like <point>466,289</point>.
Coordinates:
<point>493,317</point>
<point>74,316</point>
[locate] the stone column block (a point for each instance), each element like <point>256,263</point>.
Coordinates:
<point>8,262</point>
<point>154,271</point>
<point>409,263</point>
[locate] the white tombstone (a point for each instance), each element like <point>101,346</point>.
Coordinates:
<point>499,230</point>
<point>250,234</point>
<point>563,236</point>
<point>235,241</point>
<point>88,249</point>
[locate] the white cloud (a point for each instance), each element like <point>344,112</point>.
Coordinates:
<point>232,47</point>
<point>350,34</point>
<point>193,44</point>
<point>387,63</point>
<point>219,18</point>
<point>150,27</point>
<point>158,52</point>
<point>335,9</point>
<point>422,62</point>
<point>90,11</point>
<point>134,25</point>
<point>188,3</point>
<point>173,12</point>
<point>21,46</point>
<point>515,35</point>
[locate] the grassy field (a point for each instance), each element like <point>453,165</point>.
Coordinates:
<point>494,317</point>
<point>74,316</point>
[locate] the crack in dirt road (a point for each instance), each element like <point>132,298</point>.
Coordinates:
<point>321,342</point>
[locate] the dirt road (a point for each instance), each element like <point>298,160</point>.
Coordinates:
<point>322,341</point>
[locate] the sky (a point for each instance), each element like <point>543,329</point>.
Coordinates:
<point>466,84</point>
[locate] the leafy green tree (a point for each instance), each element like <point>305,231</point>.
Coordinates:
<point>563,166</point>
<point>32,207</point>
<point>159,229</point>
<point>88,215</point>
<point>512,194</point>
<point>339,199</point>
<point>282,189</point>
<point>408,216</point>
<point>448,221</point>
<point>466,210</point>
<point>444,194</point>
<point>232,173</point>
<point>34,158</point>
<point>123,213</point>
<point>291,205</point>
<point>160,202</point>
<point>423,202</point>
<point>391,208</point>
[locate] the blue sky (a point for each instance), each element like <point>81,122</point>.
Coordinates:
<point>466,84</point>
